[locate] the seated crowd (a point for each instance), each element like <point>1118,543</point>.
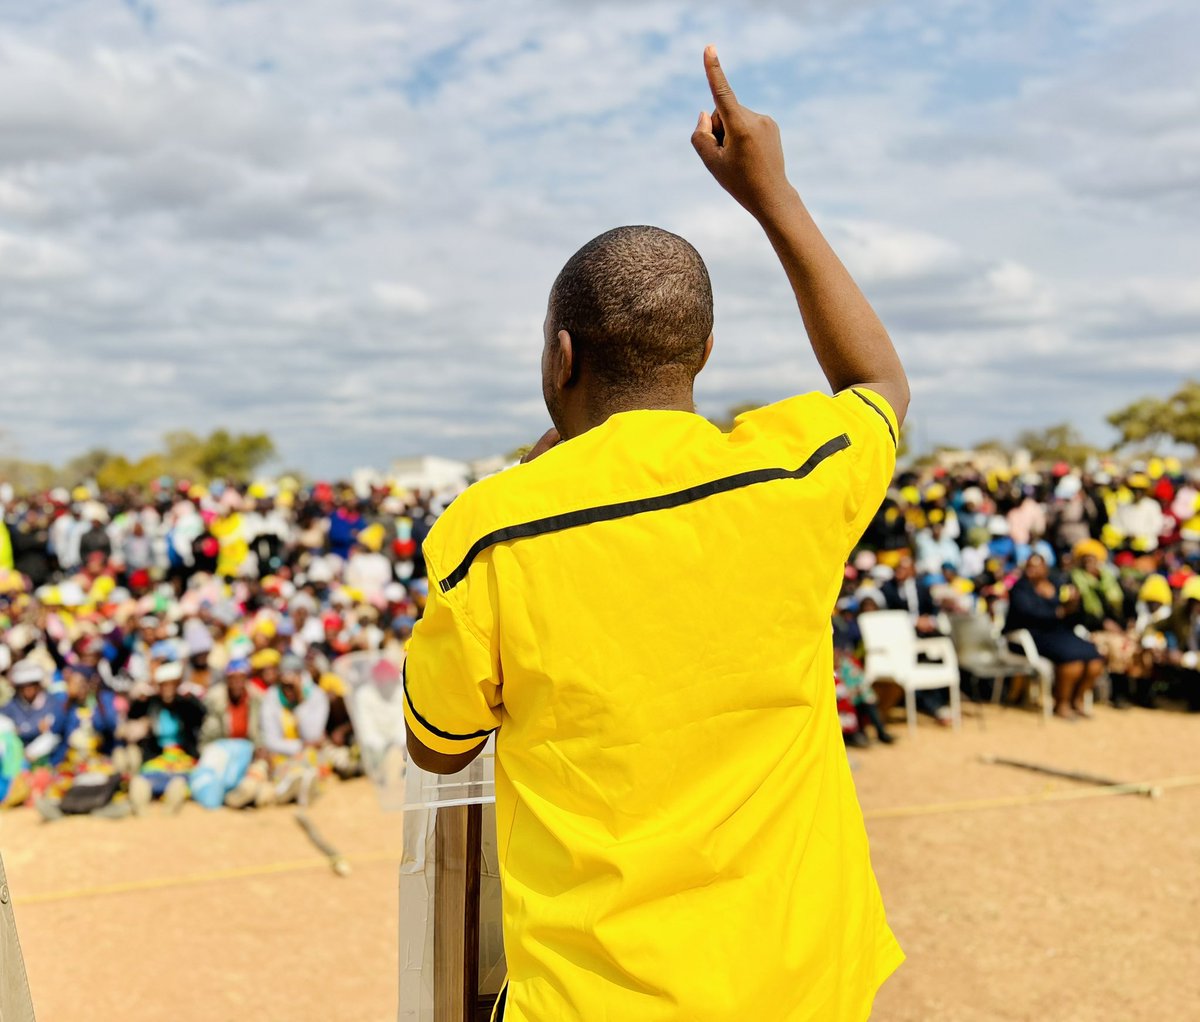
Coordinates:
<point>1097,569</point>
<point>186,643</point>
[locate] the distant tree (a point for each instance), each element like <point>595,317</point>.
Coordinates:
<point>85,466</point>
<point>993,444</point>
<point>1175,418</point>
<point>1056,443</point>
<point>27,476</point>
<point>237,456</point>
<point>185,455</point>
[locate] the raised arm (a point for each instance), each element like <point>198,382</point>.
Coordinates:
<point>741,149</point>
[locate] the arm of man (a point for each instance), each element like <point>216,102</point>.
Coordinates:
<point>452,689</point>
<point>742,150</point>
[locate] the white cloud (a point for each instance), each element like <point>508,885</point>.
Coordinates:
<point>339,222</point>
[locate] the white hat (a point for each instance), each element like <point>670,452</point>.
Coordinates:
<point>1068,487</point>
<point>27,672</point>
<point>998,525</point>
<point>172,670</point>
<point>869,592</point>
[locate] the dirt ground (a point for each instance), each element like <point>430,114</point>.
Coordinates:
<point>1064,911</point>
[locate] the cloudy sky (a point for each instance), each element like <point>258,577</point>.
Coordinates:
<point>338,222</point>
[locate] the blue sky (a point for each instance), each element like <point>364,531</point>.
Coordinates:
<point>339,222</point>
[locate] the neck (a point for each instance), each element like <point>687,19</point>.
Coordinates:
<point>590,413</point>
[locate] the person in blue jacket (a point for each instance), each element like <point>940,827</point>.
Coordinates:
<point>85,717</point>
<point>30,709</point>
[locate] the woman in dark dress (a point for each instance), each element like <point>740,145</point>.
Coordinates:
<point>1034,605</point>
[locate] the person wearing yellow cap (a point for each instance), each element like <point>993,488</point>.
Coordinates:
<point>1099,606</point>
<point>265,666</point>
<point>1183,661</point>
<point>1140,519</point>
<point>1152,624</point>
<point>646,876</point>
<point>369,570</point>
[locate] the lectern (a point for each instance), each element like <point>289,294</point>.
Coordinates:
<point>450,896</point>
<point>451,943</point>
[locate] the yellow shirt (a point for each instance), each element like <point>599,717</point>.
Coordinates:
<point>644,614</point>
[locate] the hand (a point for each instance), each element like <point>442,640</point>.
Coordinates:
<point>740,148</point>
<point>1045,588</point>
<point>548,440</point>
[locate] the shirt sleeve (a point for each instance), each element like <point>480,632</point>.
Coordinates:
<point>874,436</point>
<point>452,684</point>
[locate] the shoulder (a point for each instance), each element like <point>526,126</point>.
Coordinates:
<point>856,410</point>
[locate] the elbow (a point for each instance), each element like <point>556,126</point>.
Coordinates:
<point>439,762</point>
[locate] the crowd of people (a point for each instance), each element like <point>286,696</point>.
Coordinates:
<point>1097,566</point>
<point>184,642</point>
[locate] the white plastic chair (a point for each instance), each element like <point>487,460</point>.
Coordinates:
<point>1045,670</point>
<point>892,652</point>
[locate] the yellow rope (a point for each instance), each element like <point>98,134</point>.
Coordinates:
<point>1144,787</point>
<point>238,873</point>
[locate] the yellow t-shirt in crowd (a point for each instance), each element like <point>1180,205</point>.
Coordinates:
<point>644,615</point>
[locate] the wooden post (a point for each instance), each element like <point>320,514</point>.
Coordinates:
<point>458,837</point>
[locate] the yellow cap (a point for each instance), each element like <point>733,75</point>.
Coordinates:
<point>1154,469</point>
<point>101,588</point>
<point>1155,589</point>
<point>1172,466</point>
<point>910,495</point>
<point>372,537</point>
<point>1191,588</point>
<point>1090,548</point>
<point>332,684</point>
<point>935,492</point>
<point>265,658</point>
<point>1139,480</point>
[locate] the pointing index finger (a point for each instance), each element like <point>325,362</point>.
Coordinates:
<point>722,94</point>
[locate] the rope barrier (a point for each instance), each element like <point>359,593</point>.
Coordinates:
<point>161,883</point>
<point>1005,801</point>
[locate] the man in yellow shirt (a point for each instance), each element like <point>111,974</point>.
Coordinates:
<point>679,833</point>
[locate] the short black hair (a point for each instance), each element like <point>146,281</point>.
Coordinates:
<point>637,302</point>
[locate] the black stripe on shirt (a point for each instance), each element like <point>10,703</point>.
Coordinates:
<point>880,412</point>
<point>627,508</point>
<point>449,735</point>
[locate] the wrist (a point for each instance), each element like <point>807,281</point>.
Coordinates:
<point>780,208</point>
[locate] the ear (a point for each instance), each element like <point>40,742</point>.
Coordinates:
<point>565,371</point>
<point>708,346</point>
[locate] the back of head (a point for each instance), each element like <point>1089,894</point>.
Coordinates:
<point>637,302</point>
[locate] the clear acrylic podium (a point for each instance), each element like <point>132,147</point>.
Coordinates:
<point>451,940</point>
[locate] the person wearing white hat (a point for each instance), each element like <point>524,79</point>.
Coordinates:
<point>166,726</point>
<point>30,709</point>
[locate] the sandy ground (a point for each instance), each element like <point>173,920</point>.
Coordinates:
<point>1058,911</point>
